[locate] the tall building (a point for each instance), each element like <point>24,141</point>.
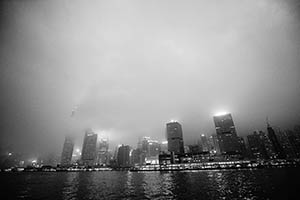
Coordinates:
<point>257,145</point>
<point>123,156</point>
<point>215,148</point>
<point>67,152</point>
<point>203,143</point>
<point>226,133</point>
<point>88,155</point>
<point>102,152</point>
<point>174,137</point>
<point>275,143</point>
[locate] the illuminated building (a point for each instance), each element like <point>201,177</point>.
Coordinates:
<point>67,152</point>
<point>174,137</point>
<point>226,133</point>
<point>214,144</point>
<point>88,156</point>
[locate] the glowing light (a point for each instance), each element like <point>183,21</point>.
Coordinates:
<point>78,150</point>
<point>9,154</point>
<point>164,142</point>
<point>221,113</point>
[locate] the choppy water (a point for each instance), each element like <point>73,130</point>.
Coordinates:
<point>214,184</point>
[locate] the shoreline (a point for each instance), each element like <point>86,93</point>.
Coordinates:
<point>234,165</point>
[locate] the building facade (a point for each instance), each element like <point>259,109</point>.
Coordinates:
<point>88,156</point>
<point>175,138</point>
<point>66,156</point>
<point>226,133</point>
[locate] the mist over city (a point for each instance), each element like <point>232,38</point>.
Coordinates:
<point>131,67</point>
<point>125,69</point>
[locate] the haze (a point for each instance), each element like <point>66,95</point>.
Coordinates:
<point>126,68</point>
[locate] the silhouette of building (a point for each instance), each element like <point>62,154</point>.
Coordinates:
<point>123,156</point>
<point>275,143</point>
<point>226,133</point>
<point>285,142</point>
<point>175,138</point>
<point>88,156</point>
<point>257,146</point>
<point>294,139</point>
<point>67,152</point>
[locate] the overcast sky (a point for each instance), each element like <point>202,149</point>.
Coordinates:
<point>132,66</point>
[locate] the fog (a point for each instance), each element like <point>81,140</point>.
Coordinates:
<point>126,68</point>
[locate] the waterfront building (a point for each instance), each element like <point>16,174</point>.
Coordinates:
<point>285,143</point>
<point>226,133</point>
<point>88,156</point>
<point>257,146</point>
<point>123,156</point>
<point>275,143</point>
<point>203,143</point>
<point>102,152</point>
<point>175,138</point>
<point>243,148</point>
<point>294,139</point>
<point>163,147</point>
<point>67,152</point>
<point>215,149</point>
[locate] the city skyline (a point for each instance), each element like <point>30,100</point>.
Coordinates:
<point>124,69</point>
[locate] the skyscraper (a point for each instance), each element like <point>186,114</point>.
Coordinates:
<point>67,152</point>
<point>174,137</point>
<point>257,145</point>
<point>123,156</point>
<point>275,143</point>
<point>203,143</point>
<point>226,133</point>
<point>102,152</point>
<point>88,156</point>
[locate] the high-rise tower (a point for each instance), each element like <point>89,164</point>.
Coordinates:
<point>67,152</point>
<point>174,137</point>
<point>275,143</point>
<point>226,133</point>
<point>88,156</point>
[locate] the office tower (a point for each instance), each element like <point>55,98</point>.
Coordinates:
<point>226,133</point>
<point>163,147</point>
<point>203,143</point>
<point>174,137</point>
<point>294,139</point>
<point>123,156</point>
<point>257,146</point>
<point>102,152</point>
<point>243,149</point>
<point>215,148</point>
<point>67,152</point>
<point>88,156</point>
<point>285,143</point>
<point>275,143</point>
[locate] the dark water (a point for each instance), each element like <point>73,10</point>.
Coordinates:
<point>223,184</point>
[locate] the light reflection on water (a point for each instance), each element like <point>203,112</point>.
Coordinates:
<point>214,184</point>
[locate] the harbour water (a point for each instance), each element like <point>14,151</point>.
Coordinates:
<point>276,183</point>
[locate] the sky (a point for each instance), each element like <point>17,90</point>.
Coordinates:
<point>126,68</point>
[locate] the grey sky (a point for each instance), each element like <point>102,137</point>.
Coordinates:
<point>131,66</point>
